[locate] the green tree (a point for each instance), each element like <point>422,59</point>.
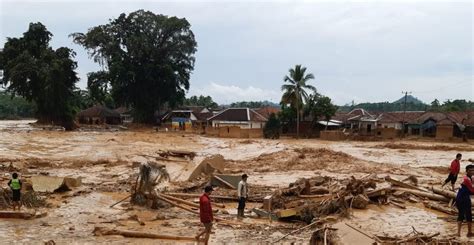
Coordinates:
<point>272,127</point>
<point>33,70</point>
<point>205,101</point>
<point>321,107</point>
<point>149,59</point>
<point>294,92</point>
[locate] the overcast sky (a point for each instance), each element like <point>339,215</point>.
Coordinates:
<point>367,51</point>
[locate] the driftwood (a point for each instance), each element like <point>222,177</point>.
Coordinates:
<point>102,231</point>
<point>397,204</point>
<point>440,208</point>
<point>429,195</point>
<point>402,184</point>
<point>16,215</point>
<point>446,193</point>
<point>178,200</point>
<point>162,198</point>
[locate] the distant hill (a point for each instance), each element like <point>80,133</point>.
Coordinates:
<point>413,104</point>
<point>253,104</point>
<point>410,99</point>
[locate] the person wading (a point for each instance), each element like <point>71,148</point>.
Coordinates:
<point>205,213</point>
<point>242,192</point>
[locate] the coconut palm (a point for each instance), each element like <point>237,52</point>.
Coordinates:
<point>295,92</point>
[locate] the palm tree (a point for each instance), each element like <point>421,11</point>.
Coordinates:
<point>295,91</point>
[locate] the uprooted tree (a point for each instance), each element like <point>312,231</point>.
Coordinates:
<point>40,74</point>
<point>149,58</point>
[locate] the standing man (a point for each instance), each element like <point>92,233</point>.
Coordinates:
<point>242,192</point>
<point>205,213</point>
<point>15,186</point>
<point>454,170</point>
<point>463,201</point>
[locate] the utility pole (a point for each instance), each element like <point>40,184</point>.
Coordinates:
<point>404,111</point>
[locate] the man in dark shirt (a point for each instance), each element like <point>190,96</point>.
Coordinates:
<point>454,170</point>
<point>205,213</point>
<point>463,201</point>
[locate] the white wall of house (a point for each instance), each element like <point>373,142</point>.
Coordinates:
<point>246,125</point>
<point>391,125</point>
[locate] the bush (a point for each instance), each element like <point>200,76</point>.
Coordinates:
<point>272,127</point>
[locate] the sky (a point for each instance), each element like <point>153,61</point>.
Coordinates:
<point>361,51</point>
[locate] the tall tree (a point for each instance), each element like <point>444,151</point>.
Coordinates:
<point>294,91</point>
<point>149,58</point>
<point>33,70</point>
<point>321,107</point>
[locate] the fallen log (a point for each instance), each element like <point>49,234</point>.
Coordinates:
<point>402,184</point>
<point>219,205</point>
<point>446,193</point>
<point>319,190</point>
<point>397,204</point>
<point>178,200</point>
<point>440,208</point>
<point>125,198</point>
<point>102,231</point>
<point>378,192</point>
<point>16,215</point>
<point>177,204</point>
<point>213,197</point>
<point>418,193</point>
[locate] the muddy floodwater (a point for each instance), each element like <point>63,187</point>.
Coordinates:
<point>105,161</point>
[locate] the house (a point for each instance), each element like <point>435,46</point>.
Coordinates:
<point>438,124</point>
<point>468,123</point>
<point>98,114</point>
<point>236,123</point>
<point>179,119</point>
<point>125,114</point>
<point>244,118</point>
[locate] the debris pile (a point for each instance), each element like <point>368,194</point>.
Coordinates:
<point>150,175</point>
<point>29,199</point>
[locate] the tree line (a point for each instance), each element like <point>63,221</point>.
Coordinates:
<point>146,58</point>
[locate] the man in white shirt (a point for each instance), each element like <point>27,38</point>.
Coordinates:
<point>242,192</point>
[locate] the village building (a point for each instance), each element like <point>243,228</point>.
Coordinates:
<point>98,114</point>
<point>245,118</point>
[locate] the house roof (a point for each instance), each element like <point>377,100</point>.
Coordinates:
<point>98,111</point>
<point>203,116</point>
<point>123,110</point>
<point>439,117</point>
<point>399,116</point>
<point>266,111</point>
<point>238,114</point>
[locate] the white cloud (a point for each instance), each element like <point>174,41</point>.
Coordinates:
<point>226,94</point>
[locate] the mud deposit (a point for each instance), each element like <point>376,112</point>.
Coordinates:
<point>106,162</point>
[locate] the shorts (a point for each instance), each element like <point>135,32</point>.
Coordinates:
<point>464,208</point>
<point>241,203</point>
<point>452,178</point>
<point>208,226</point>
<point>16,195</point>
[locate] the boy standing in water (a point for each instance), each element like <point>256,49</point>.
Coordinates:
<point>454,170</point>
<point>15,186</point>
